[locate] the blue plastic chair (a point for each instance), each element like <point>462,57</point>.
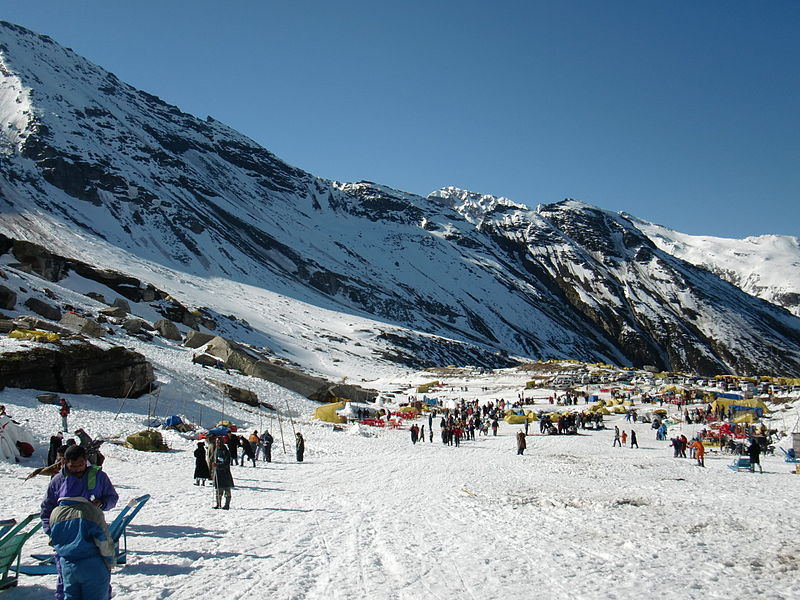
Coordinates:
<point>117,529</point>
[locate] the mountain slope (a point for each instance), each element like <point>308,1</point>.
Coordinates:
<point>765,266</point>
<point>93,169</point>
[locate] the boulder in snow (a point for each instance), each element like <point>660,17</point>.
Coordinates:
<point>44,309</point>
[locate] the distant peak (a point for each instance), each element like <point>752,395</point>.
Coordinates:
<point>472,205</point>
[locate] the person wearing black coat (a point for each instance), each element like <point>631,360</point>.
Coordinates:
<point>56,442</point>
<point>300,446</point>
<point>233,447</point>
<point>201,472</point>
<point>267,440</point>
<point>247,450</point>
<point>221,474</point>
<point>755,456</point>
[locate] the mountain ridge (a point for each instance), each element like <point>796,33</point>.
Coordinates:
<point>91,165</point>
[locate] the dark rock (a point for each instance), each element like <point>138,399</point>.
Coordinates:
<point>79,369</point>
<point>41,308</point>
<point>96,296</point>
<point>136,325</point>
<point>48,311</point>
<point>113,311</point>
<point>8,298</point>
<point>249,362</point>
<point>122,304</point>
<point>168,330</point>
<point>206,360</point>
<point>236,394</point>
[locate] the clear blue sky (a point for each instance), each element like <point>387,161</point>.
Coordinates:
<point>680,112</point>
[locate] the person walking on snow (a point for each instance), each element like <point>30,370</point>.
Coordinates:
<point>300,446</point>
<point>616,437</point>
<point>64,412</point>
<point>267,440</point>
<point>634,442</point>
<point>221,474</point>
<point>247,450</point>
<point>754,451</point>
<point>521,444</point>
<point>699,452</point>
<point>201,472</point>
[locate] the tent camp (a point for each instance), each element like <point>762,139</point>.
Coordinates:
<point>10,434</point>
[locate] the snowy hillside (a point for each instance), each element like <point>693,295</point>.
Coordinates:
<point>766,266</point>
<point>95,170</point>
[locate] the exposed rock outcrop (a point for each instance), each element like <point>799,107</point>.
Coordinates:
<point>167,329</point>
<point>83,325</point>
<point>236,356</point>
<point>8,298</point>
<point>78,369</point>
<point>195,339</point>
<point>43,309</point>
<point>237,394</point>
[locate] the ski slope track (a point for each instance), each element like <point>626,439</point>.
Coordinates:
<point>95,170</point>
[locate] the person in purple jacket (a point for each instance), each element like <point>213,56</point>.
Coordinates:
<point>77,479</point>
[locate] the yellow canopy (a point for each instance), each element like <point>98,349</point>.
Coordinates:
<point>327,412</point>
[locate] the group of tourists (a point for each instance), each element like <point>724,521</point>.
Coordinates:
<point>621,438</point>
<point>213,462</point>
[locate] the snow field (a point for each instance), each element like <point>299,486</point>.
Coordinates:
<point>375,517</point>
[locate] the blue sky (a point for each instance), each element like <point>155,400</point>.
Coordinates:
<point>679,112</point>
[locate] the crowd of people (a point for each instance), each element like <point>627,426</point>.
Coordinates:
<point>213,462</point>
<point>79,490</point>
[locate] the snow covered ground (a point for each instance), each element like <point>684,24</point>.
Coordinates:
<point>369,515</point>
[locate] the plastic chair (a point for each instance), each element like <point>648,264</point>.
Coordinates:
<point>11,548</point>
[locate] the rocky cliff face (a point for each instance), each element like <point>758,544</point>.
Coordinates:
<point>92,168</point>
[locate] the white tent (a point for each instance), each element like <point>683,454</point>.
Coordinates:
<point>351,409</point>
<point>10,434</point>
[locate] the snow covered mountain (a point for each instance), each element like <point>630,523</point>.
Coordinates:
<point>98,171</point>
<point>766,266</point>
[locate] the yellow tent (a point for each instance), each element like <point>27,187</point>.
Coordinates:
<point>34,335</point>
<point>515,419</point>
<point>425,388</point>
<point>327,413</point>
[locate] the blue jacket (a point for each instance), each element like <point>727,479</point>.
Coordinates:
<point>78,531</point>
<point>94,484</point>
